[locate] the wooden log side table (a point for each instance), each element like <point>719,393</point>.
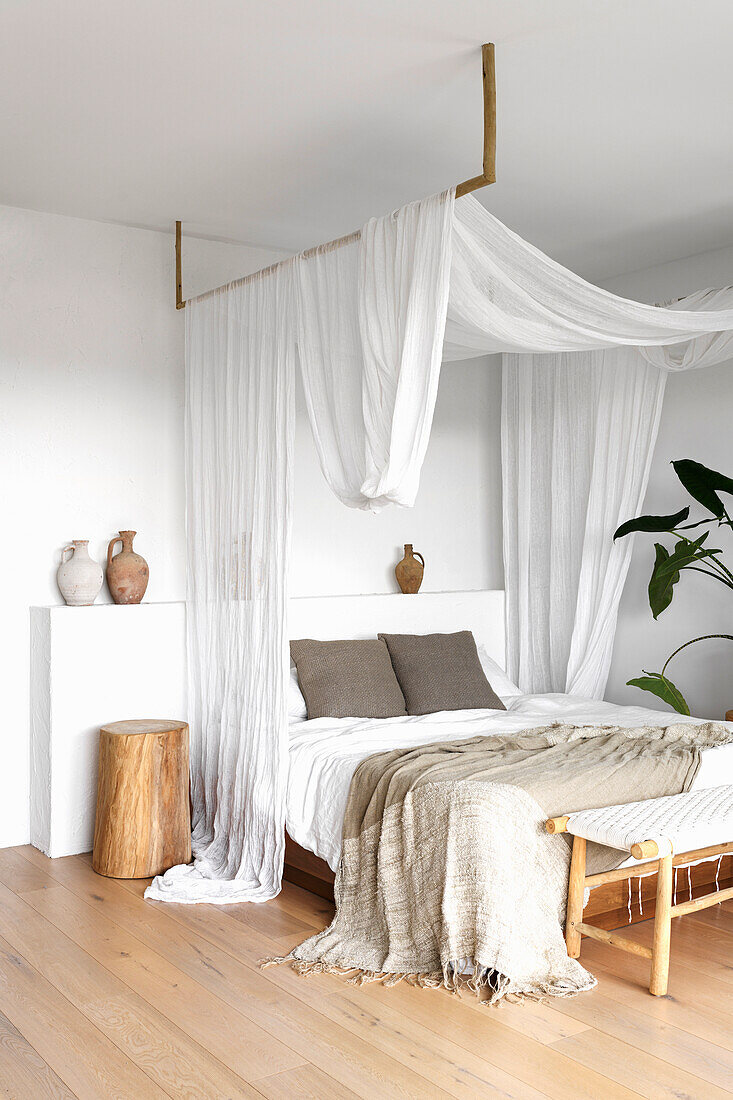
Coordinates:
<point>143,822</point>
<point>729,716</point>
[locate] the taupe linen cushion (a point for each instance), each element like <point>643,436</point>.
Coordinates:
<point>440,672</point>
<point>349,679</point>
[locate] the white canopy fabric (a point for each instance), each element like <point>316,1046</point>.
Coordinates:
<point>578,435</point>
<point>367,321</point>
<point>370,323</point>
<point>507,296</point>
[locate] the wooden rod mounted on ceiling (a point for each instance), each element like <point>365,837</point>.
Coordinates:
<point>488,168</point>
<point>488,173</point>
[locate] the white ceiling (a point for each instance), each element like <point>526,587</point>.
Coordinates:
<point>284,123</point>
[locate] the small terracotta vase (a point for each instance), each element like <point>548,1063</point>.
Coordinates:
<point>409,572</point>
<point>79,577</point>
<point>127,572</point>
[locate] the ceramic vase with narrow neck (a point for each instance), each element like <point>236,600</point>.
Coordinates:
<point>409,572</point>
<point>127,572</point>
<point>79,577</point>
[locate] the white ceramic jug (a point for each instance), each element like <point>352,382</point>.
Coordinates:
<point>79,577</point>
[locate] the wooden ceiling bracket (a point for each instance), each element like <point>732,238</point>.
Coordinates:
<point>180,300</point>
<point>488,171</point>
<point>488,174</point>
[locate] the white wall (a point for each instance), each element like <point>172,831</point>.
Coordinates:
<point>455,522</point>
<point>91,430</point>
<point>91,441</point>
<point>696,423</point>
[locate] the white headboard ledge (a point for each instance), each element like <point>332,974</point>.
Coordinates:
<point>327,617</point>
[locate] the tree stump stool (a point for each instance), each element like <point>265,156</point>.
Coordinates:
<point>143,822</point>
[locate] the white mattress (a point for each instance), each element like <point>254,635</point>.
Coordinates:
<point>325,752</point>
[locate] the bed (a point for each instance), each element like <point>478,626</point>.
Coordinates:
<point>325,752</point>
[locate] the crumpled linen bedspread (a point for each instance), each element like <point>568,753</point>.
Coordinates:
<point>446,864</point>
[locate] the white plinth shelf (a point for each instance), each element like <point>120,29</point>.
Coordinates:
<point>91,666</point>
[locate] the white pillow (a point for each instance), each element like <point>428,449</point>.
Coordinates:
<point>497,677</point>
<point>296,703</point>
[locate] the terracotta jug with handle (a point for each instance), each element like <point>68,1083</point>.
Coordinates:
<point>409,572</point>
<point>127,572</point>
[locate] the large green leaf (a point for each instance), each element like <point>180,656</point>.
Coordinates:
<point>685,553</point>
<point>661,588</point>
<point>704,484</point>
<point>663,688</point>
<point>652,523</point>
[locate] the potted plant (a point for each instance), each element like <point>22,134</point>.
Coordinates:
<point>688,554</point>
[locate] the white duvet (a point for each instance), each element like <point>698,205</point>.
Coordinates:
<point>325,752</point>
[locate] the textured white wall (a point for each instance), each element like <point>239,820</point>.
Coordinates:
<point>89,666</point>
<point>91,427</point>
<point>455,522</point>
<point>696,423</point>
<point>91,440</point>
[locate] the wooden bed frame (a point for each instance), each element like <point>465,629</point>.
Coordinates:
<point>608,905</point>
<point>482,613</point>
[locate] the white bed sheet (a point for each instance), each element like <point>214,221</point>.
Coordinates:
<point>325,752</point>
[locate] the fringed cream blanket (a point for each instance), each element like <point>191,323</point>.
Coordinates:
<point>446,865</point>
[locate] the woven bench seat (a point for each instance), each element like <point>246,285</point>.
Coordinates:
<point>677,823</point>
<point>665,833</point>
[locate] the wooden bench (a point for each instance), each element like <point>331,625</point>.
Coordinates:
<point>661,833</point>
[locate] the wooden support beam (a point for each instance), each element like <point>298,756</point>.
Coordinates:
<point>648,849</point>
<point>180,301</point>
<point>615,939</point>
<point>620,874</point>
<point>557,824</point>
<point>662,929</point>
<point>488,168</point>
<point>702,902</point>
<point>576,892</point>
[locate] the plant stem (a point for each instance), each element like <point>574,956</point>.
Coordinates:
<point>715,576</point>
<point>702,638</point>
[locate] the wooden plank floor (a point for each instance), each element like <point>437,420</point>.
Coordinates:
<point>105,995</point>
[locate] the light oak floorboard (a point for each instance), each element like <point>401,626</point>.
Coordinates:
<point>174,966</point>
<point>309,1033</point>
<point>652,1077</point>
<point>201,1019</point>
<point>249,991</point>
<point>170,1057</point>
<point>698,1005</point>
<point>707,948</point>
<point>453,1067</point>
<point>687,1052</point>
<point>536,1067</point>
<point>304,1083</point>
<point>22,1070</point>
<point>88,1063</point>
<point>717,916</point>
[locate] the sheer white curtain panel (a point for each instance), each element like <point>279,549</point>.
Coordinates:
<point>578,435</point>
<point>239,431</point>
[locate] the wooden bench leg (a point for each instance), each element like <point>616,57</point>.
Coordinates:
<point>576,889</point>
<point>662,929</point>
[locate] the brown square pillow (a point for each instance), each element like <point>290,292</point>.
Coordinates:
<point>350,679</point>
<point>440,672</point>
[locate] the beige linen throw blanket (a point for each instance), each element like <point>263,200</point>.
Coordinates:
<point>447,869</point>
